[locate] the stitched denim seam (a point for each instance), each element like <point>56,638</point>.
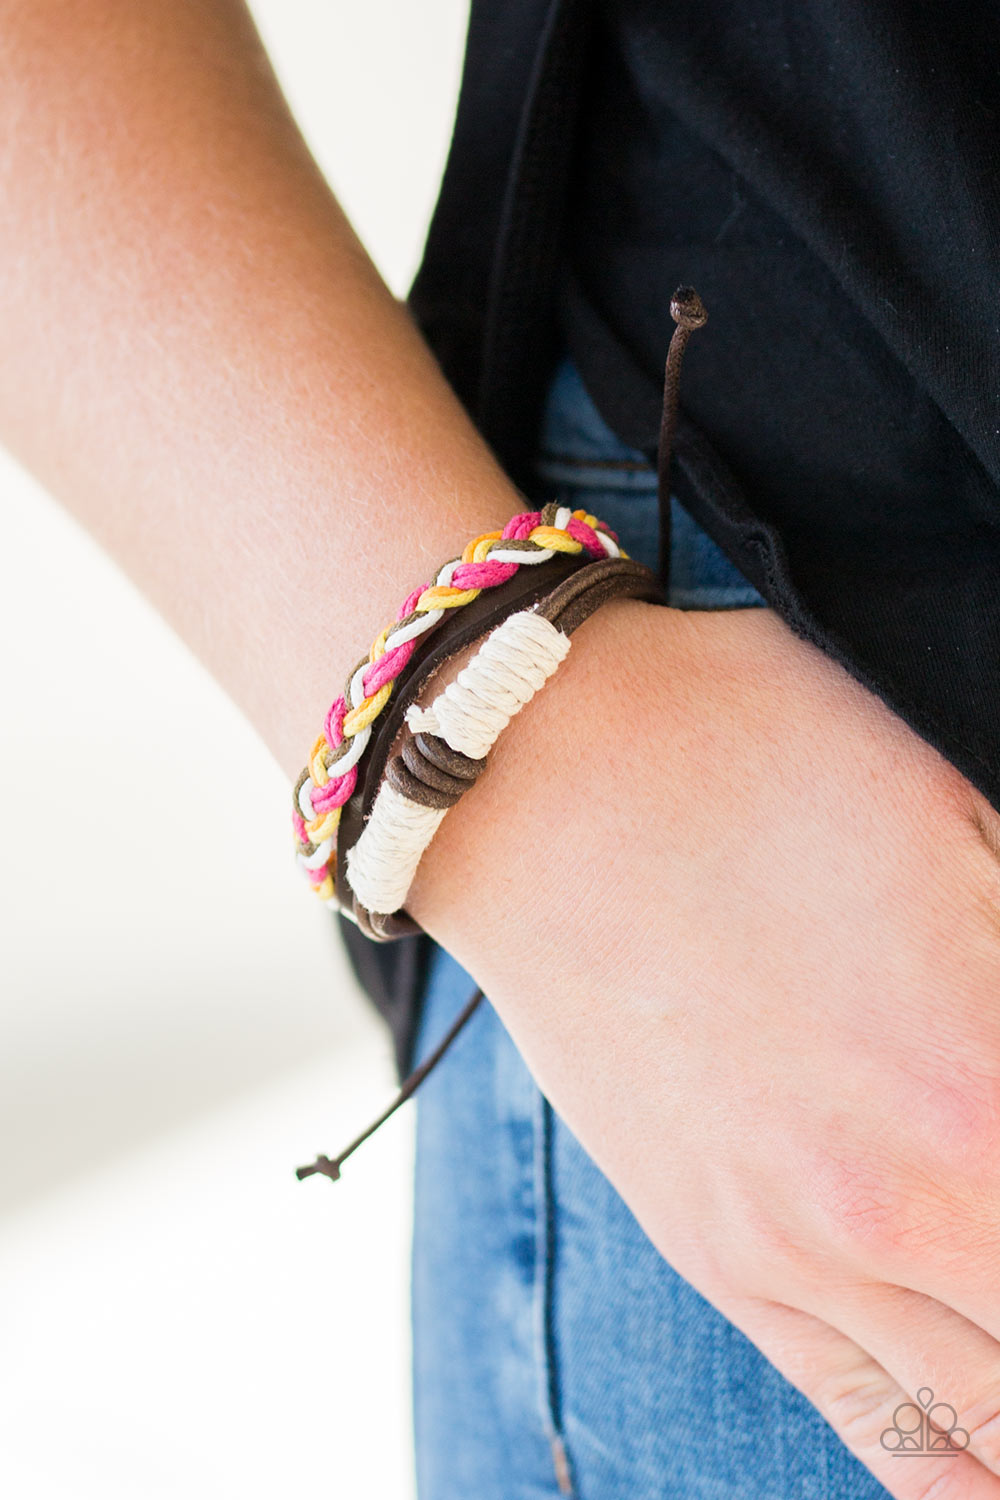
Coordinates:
<point>549,1392</point>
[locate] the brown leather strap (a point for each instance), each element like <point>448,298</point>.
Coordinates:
<point>426,769</point>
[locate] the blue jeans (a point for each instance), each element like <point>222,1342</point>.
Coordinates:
<point>548,1333</point>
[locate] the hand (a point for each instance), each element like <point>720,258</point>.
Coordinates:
<point>757,971</point>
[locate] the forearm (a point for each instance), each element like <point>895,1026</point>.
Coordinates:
<point>201,362</point>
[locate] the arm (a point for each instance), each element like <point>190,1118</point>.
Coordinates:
<point>200,360</point>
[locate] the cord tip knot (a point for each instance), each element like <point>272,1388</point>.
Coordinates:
<point>323,1165</point>
<point>687,308</point>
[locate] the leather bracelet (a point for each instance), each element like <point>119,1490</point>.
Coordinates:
<point>429,773</point>
<point>522,561</point>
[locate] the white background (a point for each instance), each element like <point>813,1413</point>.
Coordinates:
<point>178,1315</point>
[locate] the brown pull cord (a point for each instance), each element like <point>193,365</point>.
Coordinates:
<point>688,312</point>
<point>332,1168</point>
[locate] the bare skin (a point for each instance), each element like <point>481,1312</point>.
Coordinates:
<point>763,987</point>
<point>763,991</point>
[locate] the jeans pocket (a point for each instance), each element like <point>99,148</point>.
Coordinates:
<point>583,464</point>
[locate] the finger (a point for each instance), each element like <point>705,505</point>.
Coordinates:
<point>949,1364</point>
<point>975,1295</point>
<point>858,1398</point>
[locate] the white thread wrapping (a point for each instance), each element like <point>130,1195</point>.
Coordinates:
<point>383,862</point>
<point>511,665</point>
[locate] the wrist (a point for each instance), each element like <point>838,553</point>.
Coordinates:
<point>477,876</point>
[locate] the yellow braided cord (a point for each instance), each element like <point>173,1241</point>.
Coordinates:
<point>359,718</point>
<point>555,540</point>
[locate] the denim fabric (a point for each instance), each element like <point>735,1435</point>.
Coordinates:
<point>548,1332</point>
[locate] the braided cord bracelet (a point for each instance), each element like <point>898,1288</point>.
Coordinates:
<point>489,561</point>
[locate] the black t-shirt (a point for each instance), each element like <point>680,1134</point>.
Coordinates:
<point>826,176</point>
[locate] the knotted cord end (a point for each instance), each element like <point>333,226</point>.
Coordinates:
<point>323,1165</point>
<point>687,308</point>
<point>688,312</point>
<point>330,1168</point>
